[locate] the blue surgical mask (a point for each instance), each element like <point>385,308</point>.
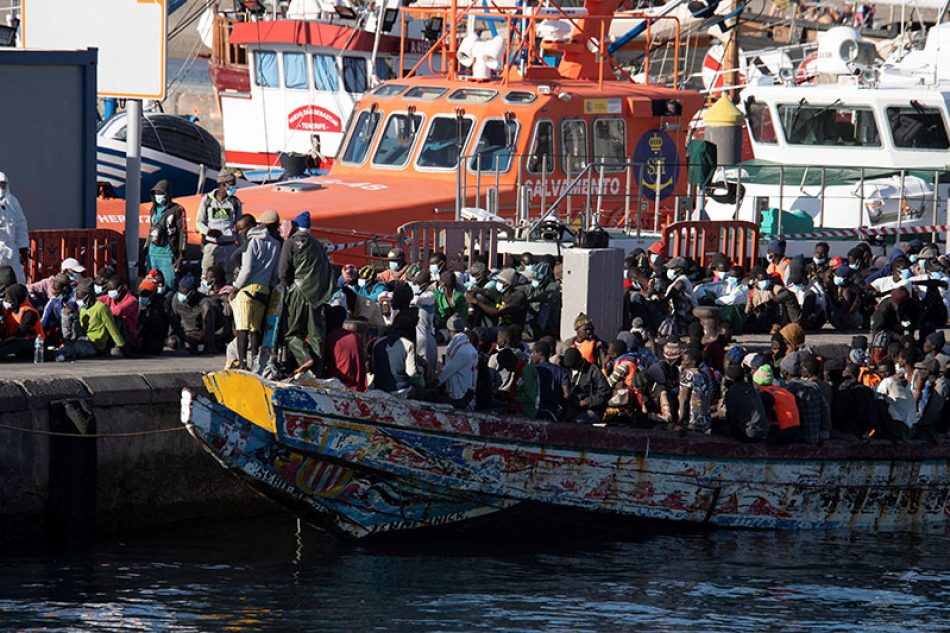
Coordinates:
<point>670,274</point>
<point>73,276</point>
<point>434,269</point>
<point>500,287</point>
<point>763,284</point>
<point>361,282</point>
<point>535,283</point>
<point>7,304</point>
<point>232,190</point>
<point>415,289</point>
<point>905,273</point>
<point>653,257</point>
<point>98,288</point>
<point>839,281</point>
<point>732,282</point>
<point>529,269</point>
<point>160,199</point>
<point>913,258</point>
<point>145,300</point>
<point>819,260</point>
<point>81,303</point>
<point>937,274</point>
<point>182,297</point>
<point>852,266</point>
<point>113,294</point>
<point>393,265</point>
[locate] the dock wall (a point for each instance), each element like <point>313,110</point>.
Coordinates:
<point>135,474</point>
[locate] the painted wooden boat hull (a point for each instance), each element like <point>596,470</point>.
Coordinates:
<point>641,474</point>
<point>327,495</point>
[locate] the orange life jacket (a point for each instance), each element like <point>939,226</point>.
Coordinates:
<point>868,378</point>
<point>587,349</point>
<point>786,410</point>
<point>13,319</point>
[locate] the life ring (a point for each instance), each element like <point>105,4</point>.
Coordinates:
<point>726,192</point>
<point>807,70</point>
<point>712,76</point>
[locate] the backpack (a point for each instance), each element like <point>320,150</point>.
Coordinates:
<point>594,238</point>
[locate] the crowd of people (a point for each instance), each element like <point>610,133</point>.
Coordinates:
<point>266,293</point>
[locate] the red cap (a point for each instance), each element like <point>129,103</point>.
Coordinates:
<point>835,262</point>
<point>146,284</point>
<point>657,248</point>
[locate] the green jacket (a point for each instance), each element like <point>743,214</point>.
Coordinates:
<point>528,391</point>
<point>99,325</point>
<point>445,309</point>
<point>304,264</point>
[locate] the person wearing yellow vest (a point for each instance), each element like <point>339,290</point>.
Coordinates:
<point>780,406</point>
<point>21,323</point>
<point>593,350</point>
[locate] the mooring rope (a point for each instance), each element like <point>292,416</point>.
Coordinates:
<point>90,435</point>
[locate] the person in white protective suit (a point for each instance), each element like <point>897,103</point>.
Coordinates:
<point>14,232</point>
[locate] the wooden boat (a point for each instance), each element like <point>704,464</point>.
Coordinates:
<point>429,451</point>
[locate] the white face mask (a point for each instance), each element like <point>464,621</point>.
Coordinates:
<point>499,286</point>
<point>7,304</point>
<point>670,274</point>
<point>3,192</point>
<point>434,270</point>
<point>205,286</point>
<point>393,265</point>
<point>361,282</point>
<point>81,303</point>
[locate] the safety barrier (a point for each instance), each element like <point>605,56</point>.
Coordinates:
<point>862,233</point>
<point>93,248</point>
<point>699,241</point>
<point>458,240</point>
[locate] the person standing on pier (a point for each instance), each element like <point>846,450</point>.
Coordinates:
<point>166,240</point>
<point>14,232</point>
<point>217,215</point>
<point>304,269</point>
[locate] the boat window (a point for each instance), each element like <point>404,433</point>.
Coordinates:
<point>295,71</point>
<point>574,145</point>
<point>610,143</point>
<point>542,146</point>
<point>397,140</point>
<point>473,95</point>
<point>362,137</point>
<point>426,93</point>
<point>829,125</point>
<point>445,140</point>
<point>494,147</point>
<point>389,90</point>
<point>384,68</point>
<point>326,76</point>
<point>760,122</point>
<point>520,97</point>
<point>265,69</point>
<point>354,74</point>
<point>918,127</point>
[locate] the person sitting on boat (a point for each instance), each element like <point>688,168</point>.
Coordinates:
<point>192,319</point>
<point>345,358</point>
<point>655,395</point>
<point>817,267</point>
<point>808,307</point>
<point>423,298</point>
<point>679,293</point>
<point>778,263</point>
<point>900,277</point>
<point>742,408</point>
<point>780,406</point>
<point>854,408</point>
<point>897,316</point>
<point>930,288</point>
<point>729,293</point>
<point>217,214</point>
<point>813,410</point>
<point>508,306</point>
<point>895,392</point>
<point>762,310</point>
<point>395,369</point>
<point>844,301</point>
<point>589,389</point>
<point>304,269</point>
<point>544,300</point>
<point>521,395</point>
<point>397,267</point>
<point>252,287</point>
<point>154,320</point>
<point>459,375</point>
<point>696,394</point>
<point>449,302</point>
<point>553,381</point>
<point>349,278</point>
<point>592,348</point>
<point>165,246</point>
<point>369,286</point>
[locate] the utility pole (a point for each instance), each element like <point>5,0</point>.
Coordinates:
<point>133,184</point>
<point>730,60</point>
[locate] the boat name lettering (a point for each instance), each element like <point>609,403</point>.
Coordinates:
<point>554,187</point>
<point>313,118</point>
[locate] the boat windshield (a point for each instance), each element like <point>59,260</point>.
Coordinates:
<point>362,137</point>
<point>917,127</point>
<point>447,137</point>
<point>609,138</point>
<point>397,140</point>
<point>760,122</point>
<point>426,93</point>
<point>574,145</point>
<point>493,151</point>
<point>389,90</point>
<point>542,148</point>
<point>833,124</point>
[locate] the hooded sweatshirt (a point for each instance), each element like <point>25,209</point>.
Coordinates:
<point>461,367</point>
<point>259,261</point>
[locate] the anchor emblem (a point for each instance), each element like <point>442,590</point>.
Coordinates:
<point>655,166</point>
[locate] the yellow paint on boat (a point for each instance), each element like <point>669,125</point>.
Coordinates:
<point>245,394</point>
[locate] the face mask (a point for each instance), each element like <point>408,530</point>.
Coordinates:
<point>535,283</point>
<point>232,190</point>
<point>671,274</point>
<point>434,269</point>
<point>905,274</point>
<point>636,285</point>
<point>361,282</point>
<point>182,297</point>
<point>393,265</point>
<point>415,289</point>
<point>773,257</point>
<point>73,276</point>
<point>145,300</point>
<point>732,282</point>
<point>205,286</point>
<point>7,304</point>
<point>499,286</point>
<point>913,258</point>
<point>113,294</point>
<point>937,274</point>
<point>160,288</point>
<point>839,281</point>
<point>819,260</point>
<point>3,193</point>
<point>763,284</point>
<point>529,269</point>
<point>160,199</point>
<point>97,288</point>
<point>852,266</point>
<point>81,303</point>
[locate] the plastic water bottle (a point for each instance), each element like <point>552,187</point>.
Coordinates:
<point>39,350</point>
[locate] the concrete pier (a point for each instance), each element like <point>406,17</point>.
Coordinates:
<point>142,470</point>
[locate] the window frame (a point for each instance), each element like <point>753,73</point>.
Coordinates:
<point>365,64</point>
<point>336,69</point>
<point>481,130</point>
<point>553,163</point>
<point>257,69</point>
<point>283,69</point>
<point>927,106</point>
<point>843,106</point>
<point>371,146</point>
<point>772,118</point>
<point>593,158</point>
<point>462,149</point>
<point>412,148</point>
<point>565,157</point>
